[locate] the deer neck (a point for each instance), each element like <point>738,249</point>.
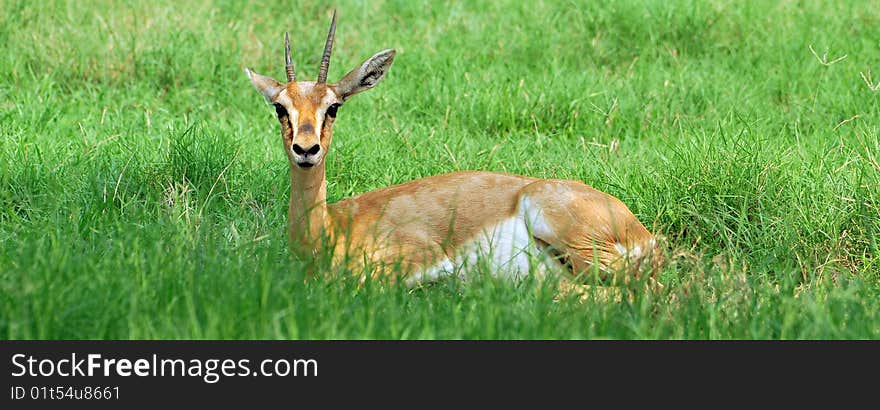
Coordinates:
<point>307,214</point>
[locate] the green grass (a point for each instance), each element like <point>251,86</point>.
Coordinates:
<point>143,187</point>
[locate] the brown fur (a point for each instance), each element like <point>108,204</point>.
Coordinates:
<point>421,222</point>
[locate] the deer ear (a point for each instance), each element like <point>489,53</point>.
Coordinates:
<point>366,76</point>
<point>267,86</point>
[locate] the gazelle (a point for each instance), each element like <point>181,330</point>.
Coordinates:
<point>440,225</point>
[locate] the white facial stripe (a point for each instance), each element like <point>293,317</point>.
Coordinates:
<point>283,97</point>
<point>294,120</point>
<point>329,98</point>
<point>286,102</point>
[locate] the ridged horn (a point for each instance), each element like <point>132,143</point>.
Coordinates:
<point>328,48</point>
<point>288,67</point>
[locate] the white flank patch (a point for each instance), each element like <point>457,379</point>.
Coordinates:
<point>633,253</point>
<point>534,216</point>
<point>443,269</point>
<point>506,249</point>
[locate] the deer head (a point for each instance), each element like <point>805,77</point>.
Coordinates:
<point>307,109</point>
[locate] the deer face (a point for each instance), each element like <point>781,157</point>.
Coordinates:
<point>307,110</point>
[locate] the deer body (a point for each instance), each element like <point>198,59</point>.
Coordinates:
<point>440,225</point>
<point>446,224</point>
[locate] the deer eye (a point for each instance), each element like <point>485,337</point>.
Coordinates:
<point>331,110</point>
<point>280,110</point>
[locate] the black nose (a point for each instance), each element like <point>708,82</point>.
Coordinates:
<point>311,151</point>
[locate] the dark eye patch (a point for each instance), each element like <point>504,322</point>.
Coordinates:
<point>280,110</point>
<point>331,110</point>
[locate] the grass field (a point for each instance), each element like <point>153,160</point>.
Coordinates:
<point>143,187</point>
